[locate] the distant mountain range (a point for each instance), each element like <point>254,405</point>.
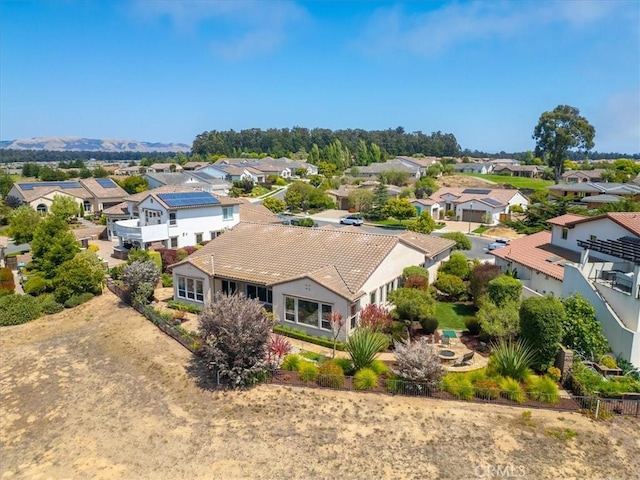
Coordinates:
<point>78,144</point>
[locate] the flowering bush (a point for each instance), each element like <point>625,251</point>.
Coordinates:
<point>418,361</point>
<point>376,318</point>
<point>277,347</point>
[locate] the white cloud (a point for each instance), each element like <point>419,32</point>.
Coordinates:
<point>430,33</point>
<point>232,29</point>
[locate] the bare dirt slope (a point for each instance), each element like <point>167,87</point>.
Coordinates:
<point>99,392</point>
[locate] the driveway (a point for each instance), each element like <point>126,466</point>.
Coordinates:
<point>106,249</point>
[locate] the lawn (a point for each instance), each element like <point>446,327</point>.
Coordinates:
<point>481,230</point>
<point>452,315</point>
<point>517,182</point>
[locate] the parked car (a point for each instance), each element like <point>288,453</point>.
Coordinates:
<point>499,243</point>
<point>351,220</point>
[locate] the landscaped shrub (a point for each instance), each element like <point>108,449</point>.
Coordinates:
<point>543,389</point>
<point>412,305</point>
<point>554,373</point>
<point>429,325</point>
<point>418,361</point>
<point>17,309</point>
<point>186,307</point>
<point>346,365</point>
<point>541,320</point>
<point>139,273</point>
<point>457,265</point>
<point>479,278</point>
<point>181,254</point>
<point>7,283</point>
<point>156,258</point>
<point>364,345</point>
<point>331,375</point>
<point>379,367</point>
<point>398,331</point>
<point>462,241</point>
<point>48,304</point>
<point>487,389</point>
<point>608,361</point>
<point>35,285</point>
<point>499,323</point>
<point>304,336</point>
<point>580,329</point>
<point>416,281</point>
<point>94,248</point>
<point>116,272</point>
<point>462,388</point>
<point>473,325</point>
<point>76,300</point>
<point>365,379</point>
<point>451,285</point>
<point>169,257</point>
<point>375,318</point>
<point>512,390</point>
<point>511,359</point>
<point>307,371</point>
<point>167,280</point>
<point>291,362</point>
<point>277,348</point>
<point>415,270</point>
<point>503,289</point>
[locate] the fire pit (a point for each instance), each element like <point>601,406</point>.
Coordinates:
<point>447,355</point>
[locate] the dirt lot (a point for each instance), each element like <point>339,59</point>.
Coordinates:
<point>99,392</point>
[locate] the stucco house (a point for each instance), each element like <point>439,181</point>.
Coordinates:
<point>176,217</point>
<point>399,165</point>
<point>283,167</point>
<point>93,194</point>
<point>303,274</point>
<point>597,257</point>
<point>483,205</point>
<point>480,168</point>
<point>580,176</point>
<point>195,179</point>
<point>529,171</point>
<point>164,167</point>
<point>587,189</point>
<point>427,205</point>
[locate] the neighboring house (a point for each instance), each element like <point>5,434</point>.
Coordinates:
<point>164,168</point>
<point>503,161</point>
<point>586,189</point>
<point>341,196</point>
<point>427,205</point>
<point>595,201</point>
<point>597,257</point>
<point>579,176</point>
<point>194,165</point>
<point>423,163</point>
<point>193,179</point>
<point>93,194</point>
<point>529,171</point>
<point>233,173</point>
<point>398,165</point>
<point>176,217</point>
<point>483,205</point>
<point>133,170</point>
<point>282,167</point>
<point>304,274</point>
<point>481,168</point>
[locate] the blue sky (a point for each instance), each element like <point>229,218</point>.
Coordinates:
<point>169,70</point>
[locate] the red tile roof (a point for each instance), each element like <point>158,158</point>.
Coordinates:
<point>536,252</point>
<point>562,220</point>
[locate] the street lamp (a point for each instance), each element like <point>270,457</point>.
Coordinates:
<point>470,214</point>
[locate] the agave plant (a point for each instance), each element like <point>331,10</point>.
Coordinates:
<point>512,359</point>
<point>364,345</point>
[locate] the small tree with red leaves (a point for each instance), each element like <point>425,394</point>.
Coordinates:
<point>336,321</point>
<point>375,318</point>
<point>277,347</point>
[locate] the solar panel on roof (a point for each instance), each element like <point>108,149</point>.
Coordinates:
<point>491,201</point>
<point>106,182</point>
<point>476,191</point>
<point>62,185</point>
<point>188,199</point>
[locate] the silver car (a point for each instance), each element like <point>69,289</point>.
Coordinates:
<point>351,220</point>
<point>498,244</point>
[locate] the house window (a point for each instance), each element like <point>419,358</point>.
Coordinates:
<point>173,242</point>
<point>172,218</point>
<point>372,297</point>
<point>227,213</point>
<point>214,234</point>
<point>42,209</point>
<point>86,205</point>
<point>198,237</point>
<point>190,289</point>
<point>229,287</point>
<point>307,312</point>
<point>390,287</point>
<point>264,294</point>
<point>565,233</point>
<point>353,316</point>
<point>593,238</point>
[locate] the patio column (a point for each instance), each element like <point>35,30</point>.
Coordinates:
<point>584,257</point>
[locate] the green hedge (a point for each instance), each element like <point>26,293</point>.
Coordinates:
<point>185,307</point>
<point>17,309</point>
<point>76,300</point>
<point>305,337</point>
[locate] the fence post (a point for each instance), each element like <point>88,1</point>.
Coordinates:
<point>597,408</point>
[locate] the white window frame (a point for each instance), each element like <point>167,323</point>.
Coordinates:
<point>173,219</point>
<point>190,288</point>
<point>293,316</point>
<point>227,213</point>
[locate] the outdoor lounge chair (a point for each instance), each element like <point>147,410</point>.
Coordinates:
<point>466,359</point>
<point>444,341</point>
